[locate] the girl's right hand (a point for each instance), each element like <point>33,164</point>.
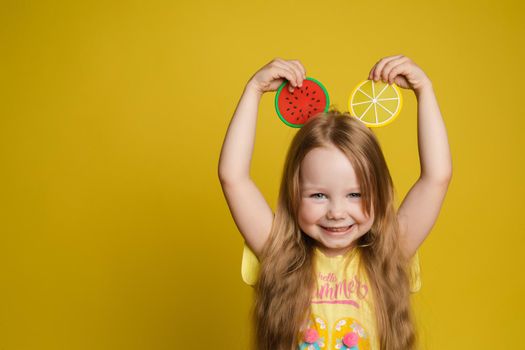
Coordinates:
<point>272,75</point>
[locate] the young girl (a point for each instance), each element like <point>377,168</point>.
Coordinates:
<point>337,260</point>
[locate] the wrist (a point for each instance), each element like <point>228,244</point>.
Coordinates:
<point>251,88</point>
<point>425,87</point>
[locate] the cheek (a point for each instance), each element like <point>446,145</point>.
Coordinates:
<point>359,214</point>
<point>368,221</point>
<point>308,214</point>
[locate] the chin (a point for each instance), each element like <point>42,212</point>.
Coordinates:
<point>339,243</point>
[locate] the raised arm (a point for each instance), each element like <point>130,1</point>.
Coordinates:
<point>250,211</point>
<point>421,206</point>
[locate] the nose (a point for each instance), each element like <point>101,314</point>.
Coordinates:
<point>336,210</point>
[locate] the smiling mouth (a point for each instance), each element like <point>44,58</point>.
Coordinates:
<point>337,229</point>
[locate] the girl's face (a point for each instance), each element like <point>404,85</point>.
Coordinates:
<point>330,209</point>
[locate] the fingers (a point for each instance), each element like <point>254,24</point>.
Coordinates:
<point>299,71</point>
<point>394,70</point>
<point>378,71</point>
<point>299,65</point>
<point>286,71</point>
<point>293,71</point>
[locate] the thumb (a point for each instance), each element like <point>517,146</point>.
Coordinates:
<point>276,83</point>
<point>402,82</point>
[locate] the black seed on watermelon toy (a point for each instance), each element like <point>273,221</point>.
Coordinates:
<point>296,108</point>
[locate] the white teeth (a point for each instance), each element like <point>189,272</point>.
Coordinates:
<point>337,229</point>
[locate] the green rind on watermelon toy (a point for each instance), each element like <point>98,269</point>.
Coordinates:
<point>296,108</point>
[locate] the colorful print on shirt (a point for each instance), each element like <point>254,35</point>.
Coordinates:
<point>346,334</point>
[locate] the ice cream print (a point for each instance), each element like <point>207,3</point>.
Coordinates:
<point>346,334</point>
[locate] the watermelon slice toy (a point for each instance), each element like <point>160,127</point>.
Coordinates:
<point>295,108</point>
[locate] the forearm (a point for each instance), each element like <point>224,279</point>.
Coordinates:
<point>434,150</point>
<point>237,149</point>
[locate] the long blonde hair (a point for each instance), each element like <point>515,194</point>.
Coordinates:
<point>286,281</point>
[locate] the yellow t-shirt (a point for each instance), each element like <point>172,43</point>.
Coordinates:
<point>340,313</point>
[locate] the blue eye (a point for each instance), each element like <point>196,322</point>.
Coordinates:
<point>317,195</point>
<point>355,195</point>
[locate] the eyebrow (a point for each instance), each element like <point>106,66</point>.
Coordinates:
<point>320,188</point>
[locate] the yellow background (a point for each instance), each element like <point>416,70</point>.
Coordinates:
<point>114,230</point>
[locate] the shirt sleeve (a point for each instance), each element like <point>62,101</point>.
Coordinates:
<point>249,266</point>
<point>415,274</point>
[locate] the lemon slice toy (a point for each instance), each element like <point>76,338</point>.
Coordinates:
<point>296,108</point>
<point>375,103</point>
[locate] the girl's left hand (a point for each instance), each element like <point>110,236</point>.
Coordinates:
<point>400,70</point>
